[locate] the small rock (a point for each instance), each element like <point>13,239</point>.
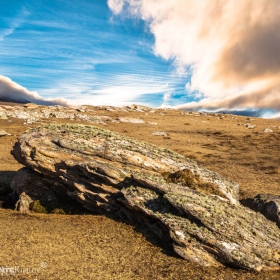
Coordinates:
<point>250,126</point>
<point>23,204</point>
<point>268,130</point>
<point>159,133</point>
<point>4,133</point>
<point>130,120</point>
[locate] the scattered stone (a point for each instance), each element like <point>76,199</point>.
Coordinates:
<point>110,109</point>
<point>130,120</point>
<point>142,108</point>
<point>4,133</point>
<point>159,133</point>
<point>152,123</point>
<point>250,126</point>
<point>268,130</point>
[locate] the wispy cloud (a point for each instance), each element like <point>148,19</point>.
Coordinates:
<point>233,47</point>
<point>14,92</point>
<point>116,5</point>
<point>119,90</point>
<point>14,23</point>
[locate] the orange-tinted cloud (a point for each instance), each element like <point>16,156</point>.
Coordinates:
<point>233,47</point>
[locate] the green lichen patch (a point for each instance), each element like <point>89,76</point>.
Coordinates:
<point>37,207</point>
<point>58,211</point>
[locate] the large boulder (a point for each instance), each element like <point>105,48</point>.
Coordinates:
<point>179,200</point>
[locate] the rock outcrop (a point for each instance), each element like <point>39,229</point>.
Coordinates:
<point>109,173</point>
<point>32,113</point>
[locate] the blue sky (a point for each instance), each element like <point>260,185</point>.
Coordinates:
<point>208,55</point>
<point>81,51</point>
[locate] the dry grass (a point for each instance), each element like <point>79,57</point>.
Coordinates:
<point>98,247</point>
<point>95,247</point>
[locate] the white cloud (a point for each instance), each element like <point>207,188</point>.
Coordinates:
<point>14,92</point>
<point>166,98</point>
<point>119,90</point>
<point>275,116</point>
<point>233,47</point>
<point>115,5</point>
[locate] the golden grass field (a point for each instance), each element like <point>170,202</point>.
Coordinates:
<point>54,246</point>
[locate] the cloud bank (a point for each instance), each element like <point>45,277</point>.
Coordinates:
<point>231,47</point>
<point>13,92</point>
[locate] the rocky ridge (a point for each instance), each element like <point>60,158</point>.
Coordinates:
<point>32,113</point>
<point>105,172</point>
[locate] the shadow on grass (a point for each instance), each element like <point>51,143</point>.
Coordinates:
<point>146,227</point>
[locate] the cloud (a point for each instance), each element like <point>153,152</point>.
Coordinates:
<point>11,91</point>
<point>166,98</point>
<point>232,48</point>
<point>119,90</point>
<point>275,116</point>
<point>115,5</point>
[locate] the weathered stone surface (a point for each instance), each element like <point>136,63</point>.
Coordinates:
<point>267,204</point>
<point>209,230</point>
<point>174,196</point>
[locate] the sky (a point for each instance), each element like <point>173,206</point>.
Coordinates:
<point>207,55</point>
